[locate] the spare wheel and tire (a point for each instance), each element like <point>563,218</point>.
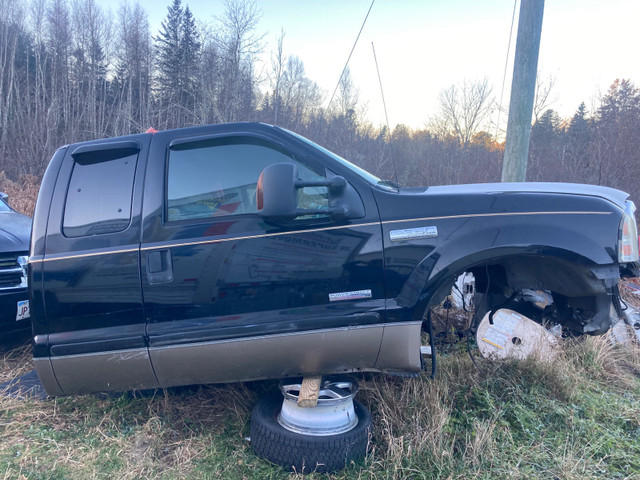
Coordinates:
<point>322,439</point>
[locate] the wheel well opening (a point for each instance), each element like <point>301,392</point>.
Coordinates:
<point>579,299</point>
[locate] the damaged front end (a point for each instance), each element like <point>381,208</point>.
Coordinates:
<point>576,299</point>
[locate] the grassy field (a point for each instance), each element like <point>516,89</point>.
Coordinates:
<point>578,418</point>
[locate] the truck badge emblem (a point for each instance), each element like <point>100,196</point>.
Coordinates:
<point>413,233</point>
<point>336,297</point>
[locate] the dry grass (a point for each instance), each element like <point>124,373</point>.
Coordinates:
<point>164,435</point>
<point>22,193</point>
<point>571,420</point>
<point>15,362</point>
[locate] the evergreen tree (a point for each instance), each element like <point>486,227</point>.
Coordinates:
<point>621,104</point>
<point>178,48</point>
<point>169,63</point>
<point>618,136</point>
<point>546,130</point>
<point>579,129</point>
<point>189,62</point>
<point>545,149</point>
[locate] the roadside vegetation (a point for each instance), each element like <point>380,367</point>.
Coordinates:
<point>576,418</point>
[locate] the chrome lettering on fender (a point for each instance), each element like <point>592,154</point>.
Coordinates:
<point>413,233</point>
<point>336,297</point>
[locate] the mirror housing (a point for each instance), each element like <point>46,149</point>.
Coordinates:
<point>277,193</point>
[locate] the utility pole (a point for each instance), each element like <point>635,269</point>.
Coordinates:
<point>516,151</point>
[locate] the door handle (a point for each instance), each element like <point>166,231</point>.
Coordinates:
<point>159,267</point>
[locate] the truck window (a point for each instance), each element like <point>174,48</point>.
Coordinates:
<point>99,196</point>
<point>218,178</point>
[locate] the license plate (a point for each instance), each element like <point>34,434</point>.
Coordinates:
<point>23,310</point>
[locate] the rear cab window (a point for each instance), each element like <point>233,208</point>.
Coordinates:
<point>99,195</point>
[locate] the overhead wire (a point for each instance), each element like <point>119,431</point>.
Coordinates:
<point>351,53</point>
<point>386,117</point>
<point>506,65</point>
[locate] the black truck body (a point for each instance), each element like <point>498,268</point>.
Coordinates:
<point>243,251</point>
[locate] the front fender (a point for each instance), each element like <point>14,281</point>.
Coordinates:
<point>577,244</point>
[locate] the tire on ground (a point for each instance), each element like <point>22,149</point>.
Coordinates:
<point>306,453</point>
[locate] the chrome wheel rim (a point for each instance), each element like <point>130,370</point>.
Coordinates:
<point>333,415</point>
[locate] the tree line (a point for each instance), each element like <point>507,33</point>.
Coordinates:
<point>70,71</point>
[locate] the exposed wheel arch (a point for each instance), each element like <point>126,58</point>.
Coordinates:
<point>582,291</point>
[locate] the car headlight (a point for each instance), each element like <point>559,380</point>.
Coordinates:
<point>23,261</point>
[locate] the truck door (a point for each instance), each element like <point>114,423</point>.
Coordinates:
<point>229,296</point>
<point>90,270</point>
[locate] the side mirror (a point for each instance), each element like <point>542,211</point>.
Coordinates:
<point>4,197</point>
<point>277,193</point>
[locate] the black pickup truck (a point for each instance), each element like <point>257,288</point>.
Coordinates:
<point>244,251</point>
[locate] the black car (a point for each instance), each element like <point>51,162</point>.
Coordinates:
<point>15,230</point>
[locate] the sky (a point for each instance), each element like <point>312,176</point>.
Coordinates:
<point>425,46</point>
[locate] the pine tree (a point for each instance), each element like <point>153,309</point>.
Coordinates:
<point>545,149</point>
<point>579,132</point>
<point>178,47</point>
<point>169,63</point>
<point>189,62</point>
<point>617,125</point>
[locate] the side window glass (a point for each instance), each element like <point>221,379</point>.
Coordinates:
<point>99,196</point>
<point>217,178</point>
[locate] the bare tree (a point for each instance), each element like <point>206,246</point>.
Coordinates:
<point>278,65</point>
<point>239,45</point>
<point>348,95</point>
<point>59,43</point>
<point>210,84</point>
<point>89,72</point>
<point>464,110</point>
<point>10,27</point>
<point>300,97</point>
<point>133,70</point>
<point>543,98</point>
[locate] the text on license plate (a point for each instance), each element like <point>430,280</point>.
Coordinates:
<point>23,310</point>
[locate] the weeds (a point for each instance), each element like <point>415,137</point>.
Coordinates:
<point>22,193</point>
<point>577,418</point>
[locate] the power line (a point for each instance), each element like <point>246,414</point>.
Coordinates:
<point>384,105</point>
<point>506,63</point>
<point>351,53</point>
